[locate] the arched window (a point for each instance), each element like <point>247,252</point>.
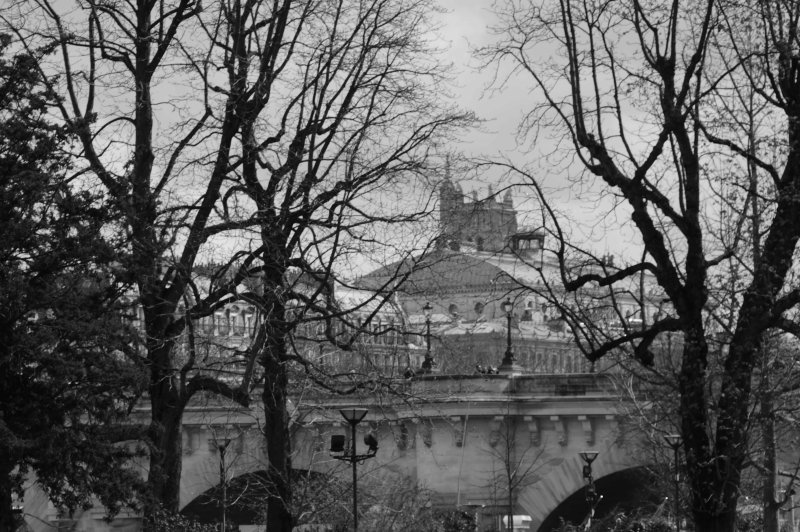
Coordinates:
<point>239,327</point>
<point>453,309</point>
<point>249,324</point>
<point>223,323</point>
<point>479,306</point>
<point>527,314</point>
<point>207,325</point>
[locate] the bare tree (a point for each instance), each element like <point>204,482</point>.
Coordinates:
<point>356,128</point>
<point>636,88</point>
<point>516,464</point>
<point>204,122</point>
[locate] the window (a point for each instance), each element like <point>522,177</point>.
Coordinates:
<point>390,334</point>
<point>223,323</point>
<point>207,325</point>
<point>376,331</point>
<point>239,325</point>
<point>527,314</point>
<point>250,322</point>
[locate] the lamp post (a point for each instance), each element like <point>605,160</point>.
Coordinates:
<point>223,435</point>
<point>591,494</point>
<point>429,364</point>
<point>353,416</point>
<point>508,365</point>
<point>674,441</point>
<point>222,447</point>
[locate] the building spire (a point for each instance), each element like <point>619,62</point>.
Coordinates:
<point>508,200</point>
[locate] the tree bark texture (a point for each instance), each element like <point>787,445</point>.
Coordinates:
<point>278,443</point>
<point>165,439</point>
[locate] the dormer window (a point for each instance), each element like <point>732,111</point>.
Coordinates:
<point>528,244</point>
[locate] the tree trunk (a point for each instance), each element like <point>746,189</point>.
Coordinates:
<point>166,451</point>
<point>770,455</point>
<point>715,481</point>
<point>278,443</point>
<point>6,511</point>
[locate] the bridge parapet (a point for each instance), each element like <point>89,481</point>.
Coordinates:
<point>535,385</point>
<point>443,395</point>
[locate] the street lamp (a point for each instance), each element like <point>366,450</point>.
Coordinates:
<point>508,365</point>
<point>223,435</point>
<point>591,494</point>
<point>222,447</point>
<point>674,441</point>
<point>353,416</point>
<point>429,364</point>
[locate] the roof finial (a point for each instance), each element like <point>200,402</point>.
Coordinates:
<point>447,167</point>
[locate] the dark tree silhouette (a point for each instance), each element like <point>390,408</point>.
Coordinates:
<point>65,381</point>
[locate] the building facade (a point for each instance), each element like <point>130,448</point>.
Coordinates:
<point>483,259</point>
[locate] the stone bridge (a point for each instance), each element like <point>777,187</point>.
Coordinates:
<point>458,436</point>
<point>455,436</point>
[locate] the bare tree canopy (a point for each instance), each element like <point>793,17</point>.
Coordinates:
<point>683,118</point>
<point>255,134</point>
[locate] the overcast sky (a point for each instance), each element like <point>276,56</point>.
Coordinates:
<point>464,27</point>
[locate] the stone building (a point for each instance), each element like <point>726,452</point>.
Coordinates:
<point>484,258</point>
<point>480,224</point>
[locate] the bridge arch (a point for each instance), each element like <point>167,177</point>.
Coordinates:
<point>244,498</point>
<point>542,499</point>
<point>624,490</point>
<point>202,459</point>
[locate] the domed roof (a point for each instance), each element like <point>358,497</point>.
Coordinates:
<point>446,270</point>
